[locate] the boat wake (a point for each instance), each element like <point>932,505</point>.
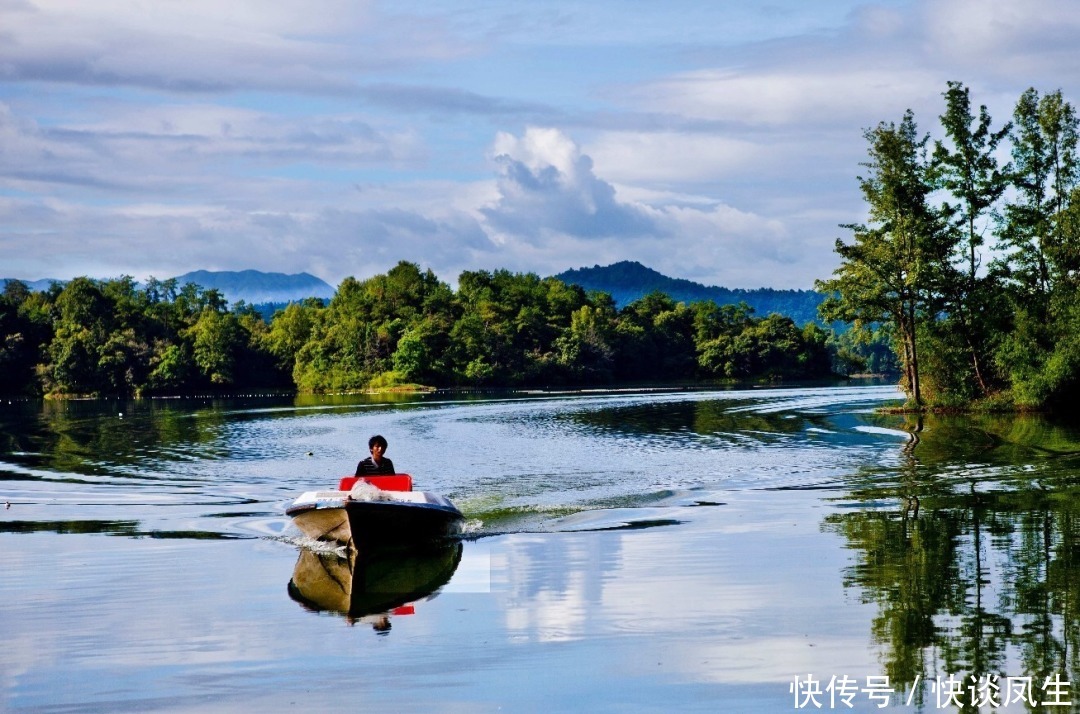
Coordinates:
<point>319,547</point>
<point>473,526</point>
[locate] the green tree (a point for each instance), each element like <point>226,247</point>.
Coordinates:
<point>260,366</point>
<point>172,368</point>
<point>422,352</point>
<point>290,330</point>
<point>25,330</point>
<point>81,328</point>
<point>353,340</point>
<point>655,340</point>
<point>216,338</point>
<point>507,327</point>
<point>1040,240</point>
<point>892,271</point>
<point>1044,155</point>
<point>716,331</point>
<point>586,348</point>
<point>969,171</point>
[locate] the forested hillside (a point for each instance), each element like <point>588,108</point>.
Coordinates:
<point>627,281</point>
<point>406,326</point>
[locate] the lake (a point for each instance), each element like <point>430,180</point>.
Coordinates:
<point>753,550</point>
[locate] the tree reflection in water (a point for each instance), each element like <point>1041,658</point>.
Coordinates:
<point>977,572</point>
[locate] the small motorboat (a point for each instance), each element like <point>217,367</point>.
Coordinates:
<point>382,510</point>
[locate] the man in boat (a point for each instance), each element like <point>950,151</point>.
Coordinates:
<point>376,463</point>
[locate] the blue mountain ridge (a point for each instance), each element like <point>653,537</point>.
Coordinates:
<point>34,285</point>
<point>251,286</point>
<point>627,281</point>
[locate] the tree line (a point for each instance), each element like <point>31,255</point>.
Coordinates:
<point>970,257</point>
<point>404,327</point>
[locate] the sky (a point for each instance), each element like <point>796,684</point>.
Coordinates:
<point>718,142</point>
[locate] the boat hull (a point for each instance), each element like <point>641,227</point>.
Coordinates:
<point>326,523</point>
<point>394,518</point>
<point>390,521</point>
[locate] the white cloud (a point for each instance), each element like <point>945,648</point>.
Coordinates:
<point>164,241</point>
<point>546,211</point>
<point>547,185</point>
<point>219,155</point>
<point>669,157</point>
<point>553,211</point>
<point>886,59</point>
<point>211,18</point>
<point>1002,36</point>
<point>788,95</point>
<point>316,46</point>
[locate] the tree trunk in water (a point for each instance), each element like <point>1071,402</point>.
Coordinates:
<point>906,343</point>
<point>913,355</point>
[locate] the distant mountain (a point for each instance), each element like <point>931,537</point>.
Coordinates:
<point>34,285</point>
<point>251,286</point>
<point>627,281</point>
<point>254,287</point>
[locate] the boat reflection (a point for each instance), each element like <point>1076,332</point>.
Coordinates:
<point>372,584</point>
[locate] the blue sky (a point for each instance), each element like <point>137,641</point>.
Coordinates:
<point>718,142</point>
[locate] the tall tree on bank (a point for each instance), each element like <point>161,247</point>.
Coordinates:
<point>1046,171</point>
<point>969,171</point>
<point>1040,240</point>
<point>890,273</point>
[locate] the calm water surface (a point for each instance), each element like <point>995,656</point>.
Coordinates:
<point>693,551</point>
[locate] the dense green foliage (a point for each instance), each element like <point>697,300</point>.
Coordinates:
<point>404,327</point>
<point>111,337</point>
<point>971,321</point>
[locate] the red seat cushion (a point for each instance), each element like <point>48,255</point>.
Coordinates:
<point>391,482</point>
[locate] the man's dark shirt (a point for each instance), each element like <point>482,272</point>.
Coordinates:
<point>367,467</point>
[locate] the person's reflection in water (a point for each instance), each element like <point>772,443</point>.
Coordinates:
<point>379,623</point>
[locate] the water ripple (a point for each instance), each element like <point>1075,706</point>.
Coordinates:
<point>517,462</point>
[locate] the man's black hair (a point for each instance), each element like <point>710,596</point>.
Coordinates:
<point>377,439</point>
